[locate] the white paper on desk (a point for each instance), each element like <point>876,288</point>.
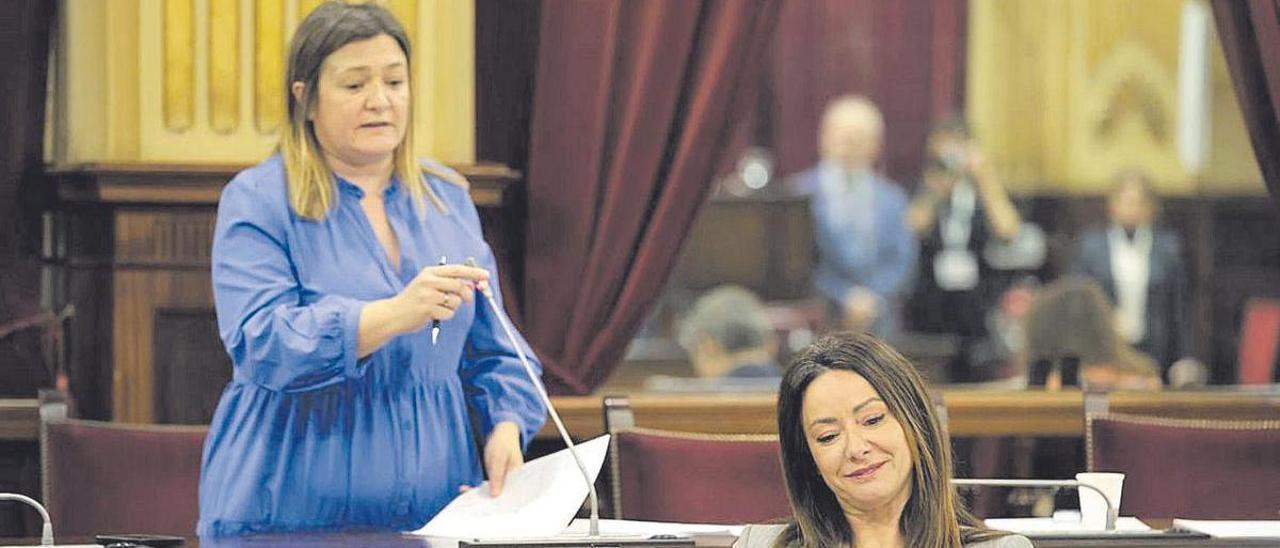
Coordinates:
<point>538,500</point>
<point>1225,528</point>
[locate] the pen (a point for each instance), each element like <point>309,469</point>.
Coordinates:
<point>435,324</point>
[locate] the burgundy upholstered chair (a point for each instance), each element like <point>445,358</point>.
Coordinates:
<point>102,477</point>
<point>661,475</point>
<point>1205,469</point>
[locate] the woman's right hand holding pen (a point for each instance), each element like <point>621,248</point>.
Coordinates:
<point>434,294</point>
<point>437,292</point>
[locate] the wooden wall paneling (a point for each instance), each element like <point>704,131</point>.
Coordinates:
<point>89,339</point>
<point>85,236</point>
<point>162,262</point>
<point>140,296</point>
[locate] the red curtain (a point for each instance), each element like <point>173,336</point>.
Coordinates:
<point>634,109</point>
<point>25,35</point>
<point>906,56</point>
<point>1250,35</point>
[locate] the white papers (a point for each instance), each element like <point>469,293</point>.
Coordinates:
<point>538,500</point>
<point>1221,528</point>
<point>1033,526</point>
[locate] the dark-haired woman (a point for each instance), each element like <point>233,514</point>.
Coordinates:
<point>865,459</point>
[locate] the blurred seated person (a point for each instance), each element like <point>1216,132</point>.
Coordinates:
<point>866,252</point>
<point>1004,345</point>
<point>866,460</point>
<point>1072,339</point>
<point>1139,266</point>
<point>730,343</point>
<point>728,336</point>
<point>960,208</point>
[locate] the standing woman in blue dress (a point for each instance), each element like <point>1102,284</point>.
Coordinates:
<point>343,413</point>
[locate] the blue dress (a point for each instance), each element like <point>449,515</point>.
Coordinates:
<point>306,436</point>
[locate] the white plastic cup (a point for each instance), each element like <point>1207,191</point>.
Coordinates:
<point>1093,510</point>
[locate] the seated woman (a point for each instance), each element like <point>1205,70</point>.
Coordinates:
<point>1071,338</point>
<point>865,457</point>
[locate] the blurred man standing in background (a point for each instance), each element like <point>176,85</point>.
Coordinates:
<point>866,251</point>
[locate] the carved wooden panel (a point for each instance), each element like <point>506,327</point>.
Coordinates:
<point>178,239</point>
<point>139,295</point>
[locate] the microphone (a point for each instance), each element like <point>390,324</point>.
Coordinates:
<point>1113,513</point>
<point>46,533</point>
<point>593,538</point>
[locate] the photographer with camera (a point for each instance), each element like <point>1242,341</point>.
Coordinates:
<point>958,209</point>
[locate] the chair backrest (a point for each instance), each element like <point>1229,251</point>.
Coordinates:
<point>660,475</point>
<point>1205,469</point>
<point>102,477</point>
<point>1259,341</point>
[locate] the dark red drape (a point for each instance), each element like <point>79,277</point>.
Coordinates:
<point>1250,34</point>
<point>634,106</point>
<point>24,48</point>
<point>906,56</point>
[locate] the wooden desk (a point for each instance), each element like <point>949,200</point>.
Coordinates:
<point>971,412</point>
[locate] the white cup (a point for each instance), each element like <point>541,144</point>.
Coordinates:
<point>1093,510</point>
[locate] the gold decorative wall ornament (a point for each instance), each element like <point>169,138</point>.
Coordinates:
<point>268,66</point>
<point>224,65</point>
<point>179,65</point>
<point>1134,97</point>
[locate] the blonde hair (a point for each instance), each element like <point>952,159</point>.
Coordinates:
<point>311,182</point>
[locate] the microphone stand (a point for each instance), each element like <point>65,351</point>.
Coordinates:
<point>1112,512</point>
<point>593,539</point>
<point>46,533</point>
